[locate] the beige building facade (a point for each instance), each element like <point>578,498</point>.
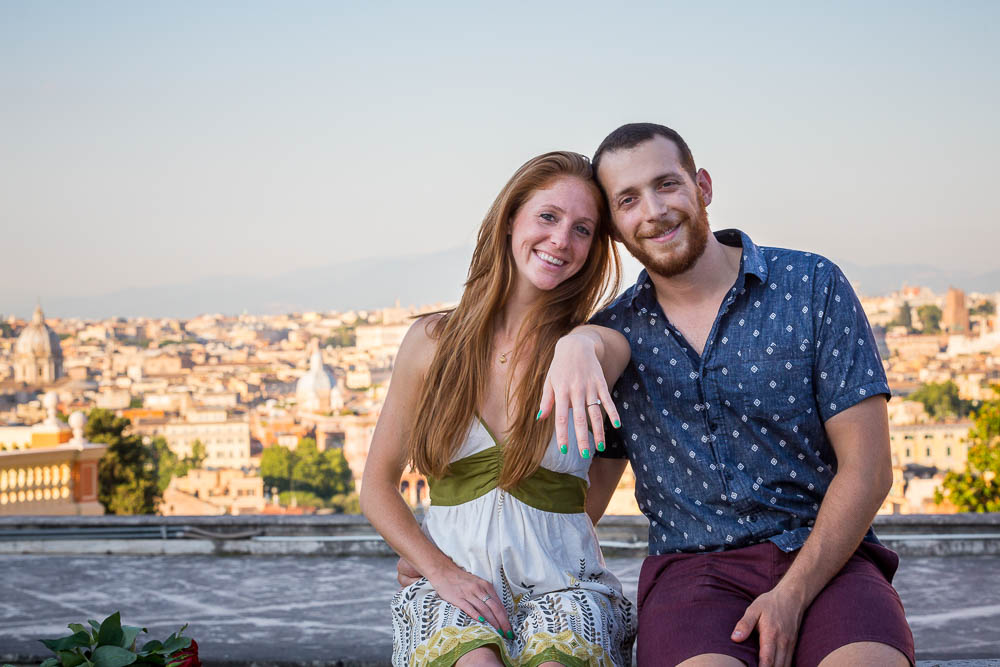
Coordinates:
<point>226,440</point>
<point>942,446</point>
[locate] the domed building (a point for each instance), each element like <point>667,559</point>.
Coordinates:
<point>313,389</point>
<point>38,357</point>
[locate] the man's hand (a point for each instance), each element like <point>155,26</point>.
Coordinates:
<point>777,616</point>
<point>576,380</point>
<point>406,574</point>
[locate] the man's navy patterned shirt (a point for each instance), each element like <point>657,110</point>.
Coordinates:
<point>729,448</point>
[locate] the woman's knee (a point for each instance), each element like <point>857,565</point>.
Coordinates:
<point>484,656</point>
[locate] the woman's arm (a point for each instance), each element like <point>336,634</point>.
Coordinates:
<point>605,474</point>
<point>382,504</point>
<point>587,361</point>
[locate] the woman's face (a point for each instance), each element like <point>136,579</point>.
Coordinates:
<point>552,231</point>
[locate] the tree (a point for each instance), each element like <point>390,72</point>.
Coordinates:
<point>169,465</point>
<point>977,489</point>
<point>276,467</point>
<point>941,400</point>
<point>904,318</point>
<point>930,317</point>
<point>986,308</point>
<point>342,336</point>
<point>346,503</point>
<point>324,474</point>
<point>127,475</point>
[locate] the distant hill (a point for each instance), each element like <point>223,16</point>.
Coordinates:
<point>379,282</point>
<point>885,279</point>
<point>369,283</point>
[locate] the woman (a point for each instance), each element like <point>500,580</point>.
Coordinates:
<point>513,573</point>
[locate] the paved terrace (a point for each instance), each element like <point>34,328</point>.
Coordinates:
<point>271,603</point>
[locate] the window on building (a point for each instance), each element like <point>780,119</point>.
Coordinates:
<point>907,451</point>
<point>928,451</point>
<point>948,451</point>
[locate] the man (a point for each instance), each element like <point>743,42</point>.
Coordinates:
<point>753,412</point>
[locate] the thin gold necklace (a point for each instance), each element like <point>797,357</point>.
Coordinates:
<point>503,356</point>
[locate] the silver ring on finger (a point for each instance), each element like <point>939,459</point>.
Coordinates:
<point>595,402</point>
<point>486,598</point>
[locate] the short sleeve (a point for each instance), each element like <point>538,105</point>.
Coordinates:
<point>848,368</point>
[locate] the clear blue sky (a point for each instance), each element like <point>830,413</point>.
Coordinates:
<point>143,143</point>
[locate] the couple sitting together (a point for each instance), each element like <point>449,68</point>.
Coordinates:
<point>748,395</point>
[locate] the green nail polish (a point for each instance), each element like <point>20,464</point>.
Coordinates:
<point>482,620</point>
<point>618,424</point>
<point>538,416</point>
<point>600,446</point>
<point>510,634</point>
<point>500,632</point>
<point>563,448</point>
<point>585,453</point>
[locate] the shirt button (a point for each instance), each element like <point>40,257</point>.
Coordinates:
<point>729,476</point>
<point>713,427</point>
<point>753,519</point>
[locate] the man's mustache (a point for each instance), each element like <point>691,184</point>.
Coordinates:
<point>667,222</point>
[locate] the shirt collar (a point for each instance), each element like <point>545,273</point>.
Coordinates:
<point>752,263</point>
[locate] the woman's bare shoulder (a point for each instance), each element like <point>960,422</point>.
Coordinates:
<point>420,343</point>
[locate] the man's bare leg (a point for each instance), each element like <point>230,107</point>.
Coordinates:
<point>712,660</point>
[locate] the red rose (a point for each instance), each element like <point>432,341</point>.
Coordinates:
<point>185,657</point>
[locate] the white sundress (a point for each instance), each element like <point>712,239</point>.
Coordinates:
<point>539,550</point>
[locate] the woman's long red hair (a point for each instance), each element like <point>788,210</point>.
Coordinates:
<point>456,380</point>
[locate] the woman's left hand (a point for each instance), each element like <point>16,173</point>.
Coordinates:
<point>406,574</point>
<point>576,380</point>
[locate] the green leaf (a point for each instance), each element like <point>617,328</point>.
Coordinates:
<point>152,646</point>
<point>94,624</point>
<point>110,633</point>
<point>49,662</point>
<point>151,660</point>
<point>64,643</point>
<point>78,627</point>
<point>70,659</point>
<point>129,633</point>
<point>175,644</point>
<point>112,656</point>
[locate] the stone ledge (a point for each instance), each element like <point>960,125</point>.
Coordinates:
<point>336,535</point>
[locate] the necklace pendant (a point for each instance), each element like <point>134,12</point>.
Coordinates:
<point>503,357</point>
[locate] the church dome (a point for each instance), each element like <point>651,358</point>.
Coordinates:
<point>37,339</point>
<point>314,387</point>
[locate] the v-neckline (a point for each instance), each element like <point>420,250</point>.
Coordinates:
<point>489,431</point>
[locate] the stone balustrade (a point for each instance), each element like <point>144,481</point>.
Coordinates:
<point>50,481</point>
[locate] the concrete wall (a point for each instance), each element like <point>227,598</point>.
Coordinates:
<point>328,535</point>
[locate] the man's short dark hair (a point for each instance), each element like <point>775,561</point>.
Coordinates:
<point>633,134</point>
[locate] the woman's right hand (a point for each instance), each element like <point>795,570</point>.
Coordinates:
<point>473,595</point>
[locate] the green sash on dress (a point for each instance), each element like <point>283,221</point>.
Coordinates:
<point>476,475</point>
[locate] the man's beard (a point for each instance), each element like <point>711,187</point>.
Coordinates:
<point>681,260</point>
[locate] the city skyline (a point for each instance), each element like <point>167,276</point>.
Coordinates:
<point>169,144</point>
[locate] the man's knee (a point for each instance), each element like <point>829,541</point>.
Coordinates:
<point>712,660</point>
<point>865,654</point>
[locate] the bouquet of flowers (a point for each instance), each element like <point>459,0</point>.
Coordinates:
<point>111,644</point>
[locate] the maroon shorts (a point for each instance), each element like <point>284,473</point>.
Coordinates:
<point>690,603</point>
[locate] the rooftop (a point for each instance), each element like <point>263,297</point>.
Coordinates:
<point>272,610</point>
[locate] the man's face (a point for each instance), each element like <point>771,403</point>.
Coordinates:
<point>657,208</point>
